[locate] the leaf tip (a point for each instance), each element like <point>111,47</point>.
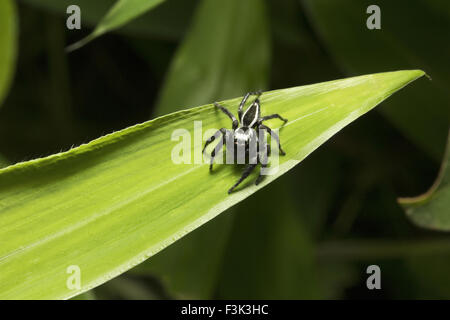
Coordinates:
<point>77,45</point>
<point>417,73</point>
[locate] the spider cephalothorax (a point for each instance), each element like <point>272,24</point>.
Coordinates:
<point>243,140</point>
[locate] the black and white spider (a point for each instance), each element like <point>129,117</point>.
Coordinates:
<point>244,142</point>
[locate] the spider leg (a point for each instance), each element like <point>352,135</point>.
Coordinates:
<point>245,174</point>
<point>223,131</point>
<point>244,100</point>
<point>272,116</point>
<point>264,159</point>
<point>228,113</point>
<point>217,148</point>
<point>275,136</point>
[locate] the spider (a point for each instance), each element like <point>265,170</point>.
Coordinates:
<point>245,138</point>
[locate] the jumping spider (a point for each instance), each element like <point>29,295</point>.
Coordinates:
<point>245,137</point>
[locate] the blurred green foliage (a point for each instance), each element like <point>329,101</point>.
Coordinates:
<point>337,212</point>
<point>8,41</point>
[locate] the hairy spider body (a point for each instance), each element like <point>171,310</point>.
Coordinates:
<point>243,141</point>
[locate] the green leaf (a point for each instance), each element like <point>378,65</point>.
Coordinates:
<point>403,42</point>
<point>221,70</point>
<point>108,205</point>
<point>122,12</point>
<point>8,43</point>
<point>432,209</point>
<point>189,268</point>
